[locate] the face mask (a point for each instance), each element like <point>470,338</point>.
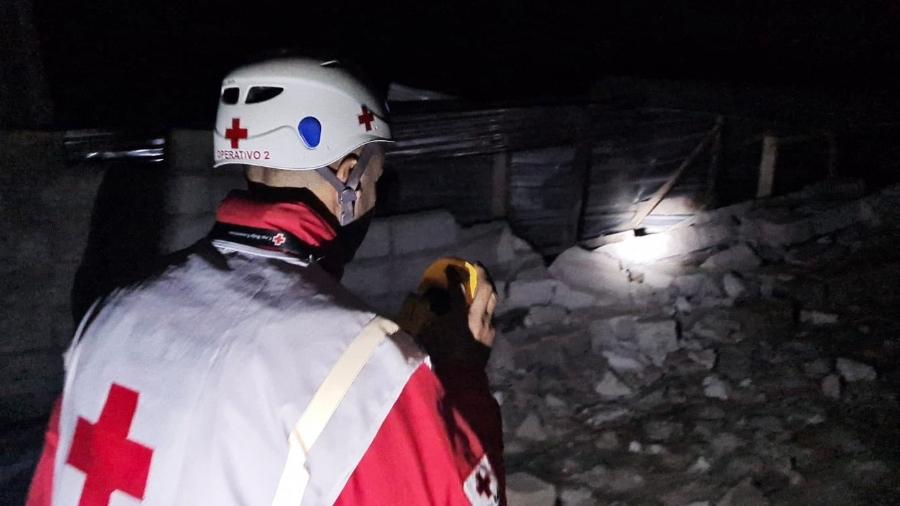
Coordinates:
<point>351,236</point>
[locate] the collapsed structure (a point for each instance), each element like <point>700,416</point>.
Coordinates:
<point>743,357</point>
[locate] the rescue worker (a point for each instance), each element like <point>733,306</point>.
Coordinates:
<point>243,373</point>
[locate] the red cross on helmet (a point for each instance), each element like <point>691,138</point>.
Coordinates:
<point>295,114</point>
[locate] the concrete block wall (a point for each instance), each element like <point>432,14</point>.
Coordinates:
<point>46,206</point>
<point>398,249</point>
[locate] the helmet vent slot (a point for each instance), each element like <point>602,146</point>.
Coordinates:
<point>259,94</point>
<point>230,95</point>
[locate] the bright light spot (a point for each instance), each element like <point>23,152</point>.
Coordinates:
<point>641,250</point>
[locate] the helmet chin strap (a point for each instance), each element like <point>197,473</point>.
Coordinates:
<point>347,190</point>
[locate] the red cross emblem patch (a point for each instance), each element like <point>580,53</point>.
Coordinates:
<point>235,133</point>
<point>278,239</point>
<point>481,485</point>
<point>103,452</point>
<point>366,118</point>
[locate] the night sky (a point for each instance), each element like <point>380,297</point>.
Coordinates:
<point>160,63</point>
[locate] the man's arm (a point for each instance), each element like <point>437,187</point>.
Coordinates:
<point>459,343</point>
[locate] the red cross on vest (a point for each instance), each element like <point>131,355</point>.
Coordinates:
<point>366,118</point>
<point>483,487</point>
<point>235,133</point>
<point>103,452</point>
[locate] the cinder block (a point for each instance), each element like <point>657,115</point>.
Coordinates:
<point>656,338</point>
<point>528,292</point>
<point>591,271</point>
<point>736,258</point>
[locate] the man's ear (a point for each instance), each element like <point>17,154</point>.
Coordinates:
<point>345,168</point>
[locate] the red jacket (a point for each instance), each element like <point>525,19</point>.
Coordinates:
<point>429,449</point>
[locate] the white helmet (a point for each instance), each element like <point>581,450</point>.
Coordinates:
<point>298,114</point>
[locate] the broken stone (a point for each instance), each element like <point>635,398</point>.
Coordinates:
<point>554,402</point>
<point>700,466</point>
<point>605,416</point>
<point>606,333</point>
<point>658,280</point>
<point>571,299</point>
<point>831,386</point>
<point>705,358</point>
<point>624,361</point>
<point>531,429</point>
<point>527,490</point>
<point>540,315</point>
<point>852,370</point>
<point>624,480</point>
<point>663,430</point>
<point>608,440</point>
<point>656,449</point>
<point>868,471</point>
<point>689,285</point>
<point>593,272</point>
<point>635,447</point>
<point>581,496</point>
<point>502,355</point>
<point>725,443</point>
<point>743,494</point>
<point>611,387</point>
<point>715,327</point>
<point>817,368</point>
<point>777,228</point>
<point>656,339</point>
<point>733,285</point>
<point>715,388</point>
<point>818,317</point>
<point>528,292</point>
<point>682,305</point>
<point>736,258</point>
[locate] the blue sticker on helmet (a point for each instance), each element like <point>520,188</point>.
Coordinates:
<point>310,131</point>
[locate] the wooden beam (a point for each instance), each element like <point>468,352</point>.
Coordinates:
<point>766,180</point>
<point>649,205</point>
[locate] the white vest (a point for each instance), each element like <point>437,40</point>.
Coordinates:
<point>222,353</point>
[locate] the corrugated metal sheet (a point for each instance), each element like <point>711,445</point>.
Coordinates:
<point>567,172</point>
<point>458,131</point>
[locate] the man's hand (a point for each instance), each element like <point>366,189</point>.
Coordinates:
<point>481,312</point>
<point>461,332</point>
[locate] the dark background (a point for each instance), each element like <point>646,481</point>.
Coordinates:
<point>113,62</point>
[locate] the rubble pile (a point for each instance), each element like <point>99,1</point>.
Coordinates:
<point>746,357</point>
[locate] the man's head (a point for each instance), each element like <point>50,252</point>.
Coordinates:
<point>322,189</point>
<point>304,123</point>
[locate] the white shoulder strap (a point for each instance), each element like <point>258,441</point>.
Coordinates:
<point>324,403</point>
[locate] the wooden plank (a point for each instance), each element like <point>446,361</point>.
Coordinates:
<point>766,179</point>
<point>648,206</point>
